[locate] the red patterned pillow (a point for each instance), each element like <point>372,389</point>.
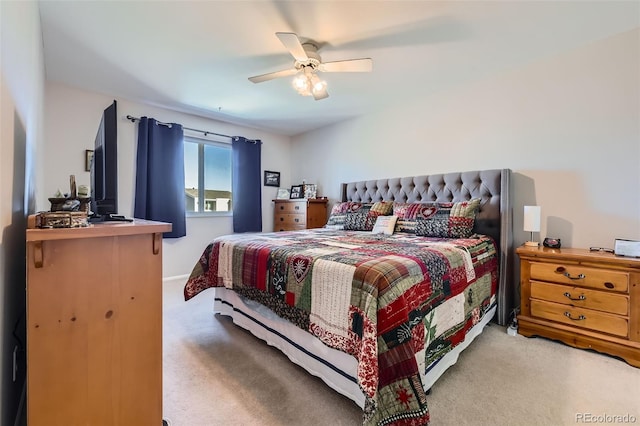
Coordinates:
<point>356,216</point>
<point>442,220</point>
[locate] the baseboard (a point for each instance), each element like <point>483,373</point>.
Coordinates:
<point>175,279</point>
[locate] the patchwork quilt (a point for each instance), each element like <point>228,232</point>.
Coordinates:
<point>397,303</point>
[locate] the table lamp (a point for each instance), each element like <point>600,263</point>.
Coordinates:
<point>532,223</point>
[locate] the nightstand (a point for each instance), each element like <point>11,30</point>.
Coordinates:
<point>291,215</point>
<point>588,300</point>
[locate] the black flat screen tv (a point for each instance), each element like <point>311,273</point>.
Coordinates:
<point>104,168</point>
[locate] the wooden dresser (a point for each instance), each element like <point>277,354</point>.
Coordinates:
<point>291,215</point>
<point>582,298</point>
<point>94,324</point>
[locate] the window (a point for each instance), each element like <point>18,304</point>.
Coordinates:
<point>207,174</point>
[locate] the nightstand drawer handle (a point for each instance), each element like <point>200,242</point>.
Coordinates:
<point>581,297</point>
<point>297,220</point>
<point>568,315</point>
<point>563,271</point>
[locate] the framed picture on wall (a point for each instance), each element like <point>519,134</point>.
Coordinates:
<point>297,191</point>
<point>271,178</point>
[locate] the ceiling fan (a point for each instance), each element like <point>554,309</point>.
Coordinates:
<point>308,63</point>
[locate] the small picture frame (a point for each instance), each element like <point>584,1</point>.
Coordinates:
<point>271,178</point>
<point>310,191</point>
<point>88,159</point>
<point>283,194</point>
<point>297,192</point>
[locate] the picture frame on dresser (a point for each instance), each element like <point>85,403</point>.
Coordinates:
<point>283,194</point>
<point>297,192</point>
<point>310,191</point>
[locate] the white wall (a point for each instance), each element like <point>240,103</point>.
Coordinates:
<point>71,122</point>
<point>568,127</point>
<point>21,95</point>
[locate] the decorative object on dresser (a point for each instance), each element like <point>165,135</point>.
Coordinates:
<point>94,324</point>
<point>628,248</point>
<point>283,194</point>
<point>297,191</point>
<point>310,190</point>
<point>292,215</point>
<point>551,242</point>
<point>586,299</point>
<point>531,223</point>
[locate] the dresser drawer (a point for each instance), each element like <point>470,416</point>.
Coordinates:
<point>292,207</point>
<point>581,297</point>
<point>290,221</point>
<point>580,275</point>
<point>580,317</point>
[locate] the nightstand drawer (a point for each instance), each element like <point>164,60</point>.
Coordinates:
<point>579,317</point>
<point>582,297</point>
<point>580,275</point>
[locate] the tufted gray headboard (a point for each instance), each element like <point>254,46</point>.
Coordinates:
<point>494,217</point>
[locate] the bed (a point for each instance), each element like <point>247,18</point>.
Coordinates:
<point>378,317</point>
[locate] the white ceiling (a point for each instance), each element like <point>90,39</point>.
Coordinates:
<point>196,56</point>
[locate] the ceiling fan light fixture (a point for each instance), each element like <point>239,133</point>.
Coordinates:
<point>318,86</point>
<point>301,84</point>
<point>307,83</point>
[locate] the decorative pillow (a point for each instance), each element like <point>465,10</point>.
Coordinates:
<point>442,220</point>
<point>365,218</point>
<point>339,212</point>
<point>360,221</point>
<point>385,225</point>
<point>364,215</point>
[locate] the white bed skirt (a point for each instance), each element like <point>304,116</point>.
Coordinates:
<point>337,369</point>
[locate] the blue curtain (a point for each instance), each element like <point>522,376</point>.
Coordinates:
<point>247,185</point>
<point>160,193</point>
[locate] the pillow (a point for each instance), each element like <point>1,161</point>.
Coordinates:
<point>384,225</point>
<point>365,218</point>
<point>360,221</point>
<point>339,213</point>
<point>356,216</point>
<point>442,220</point>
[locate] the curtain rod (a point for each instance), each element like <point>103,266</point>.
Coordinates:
<point>205,132</point>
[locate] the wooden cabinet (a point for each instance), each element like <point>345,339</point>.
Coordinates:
<point>582,298</point>
<point>94,324</point>
<point>291,215</point>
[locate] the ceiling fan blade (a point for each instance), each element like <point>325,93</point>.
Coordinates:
<point>350,65</point>
<point>293,45</point>
<point>272,75</point>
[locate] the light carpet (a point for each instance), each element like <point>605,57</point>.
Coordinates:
<point>218,374</point>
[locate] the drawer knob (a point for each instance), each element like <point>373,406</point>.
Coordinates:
<point>297,207</point>
<point>297,220</point>
<point>281,207</point>
<point>609,285</point>
<point>581,297</point>
<point>580,317</point>
<point>562,270</point>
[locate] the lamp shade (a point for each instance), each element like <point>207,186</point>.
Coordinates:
<point>532,218</point>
